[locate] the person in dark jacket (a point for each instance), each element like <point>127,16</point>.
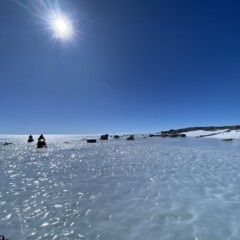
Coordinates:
<point>41,142</point>
<point>30,139</point>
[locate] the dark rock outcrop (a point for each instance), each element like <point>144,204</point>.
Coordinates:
<point>91,140</point>
<point>168,134</point>
<point>181,135</point>
<point>208,135</point>
<point>116,136</point>
<point>104,137</point>
<point>210,128</point>
<point>228,139</point>
<point>6,143</point>
<point>156,135</point>
<point>131,137</point>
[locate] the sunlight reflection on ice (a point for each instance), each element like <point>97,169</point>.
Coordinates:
<point>147,189</point>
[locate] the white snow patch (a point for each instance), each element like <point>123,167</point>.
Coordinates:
<point>218,133</point>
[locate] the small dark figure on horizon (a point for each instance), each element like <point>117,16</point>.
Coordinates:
<point>41,137</point>
<point>3,238</point>
<point>30,139</point>
<point>41,142</point>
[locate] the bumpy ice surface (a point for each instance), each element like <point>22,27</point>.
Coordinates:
<point>147,189</point>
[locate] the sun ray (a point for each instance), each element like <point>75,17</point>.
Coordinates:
<point>55,19</point>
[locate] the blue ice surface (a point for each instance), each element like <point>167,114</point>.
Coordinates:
<point>147,189</point>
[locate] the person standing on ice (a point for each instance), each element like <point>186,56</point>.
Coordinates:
<point>41,142</point>
<point>30,139</point>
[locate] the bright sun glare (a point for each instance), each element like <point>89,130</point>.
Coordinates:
<point>62,27</point>
<point>56,19</point>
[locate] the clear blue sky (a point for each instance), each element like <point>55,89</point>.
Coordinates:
<point>135,66</point>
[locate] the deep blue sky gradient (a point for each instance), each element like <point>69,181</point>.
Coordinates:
<point>136,66</point>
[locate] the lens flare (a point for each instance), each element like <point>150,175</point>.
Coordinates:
<point>54,18</point>
<point>62,27</point>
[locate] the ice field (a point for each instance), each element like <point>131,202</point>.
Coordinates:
<point>147,189</point>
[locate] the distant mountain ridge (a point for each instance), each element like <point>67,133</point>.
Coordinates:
<point>210,128</point>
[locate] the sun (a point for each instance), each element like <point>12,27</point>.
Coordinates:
<point>62,27</point>
<point>60,22</point>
